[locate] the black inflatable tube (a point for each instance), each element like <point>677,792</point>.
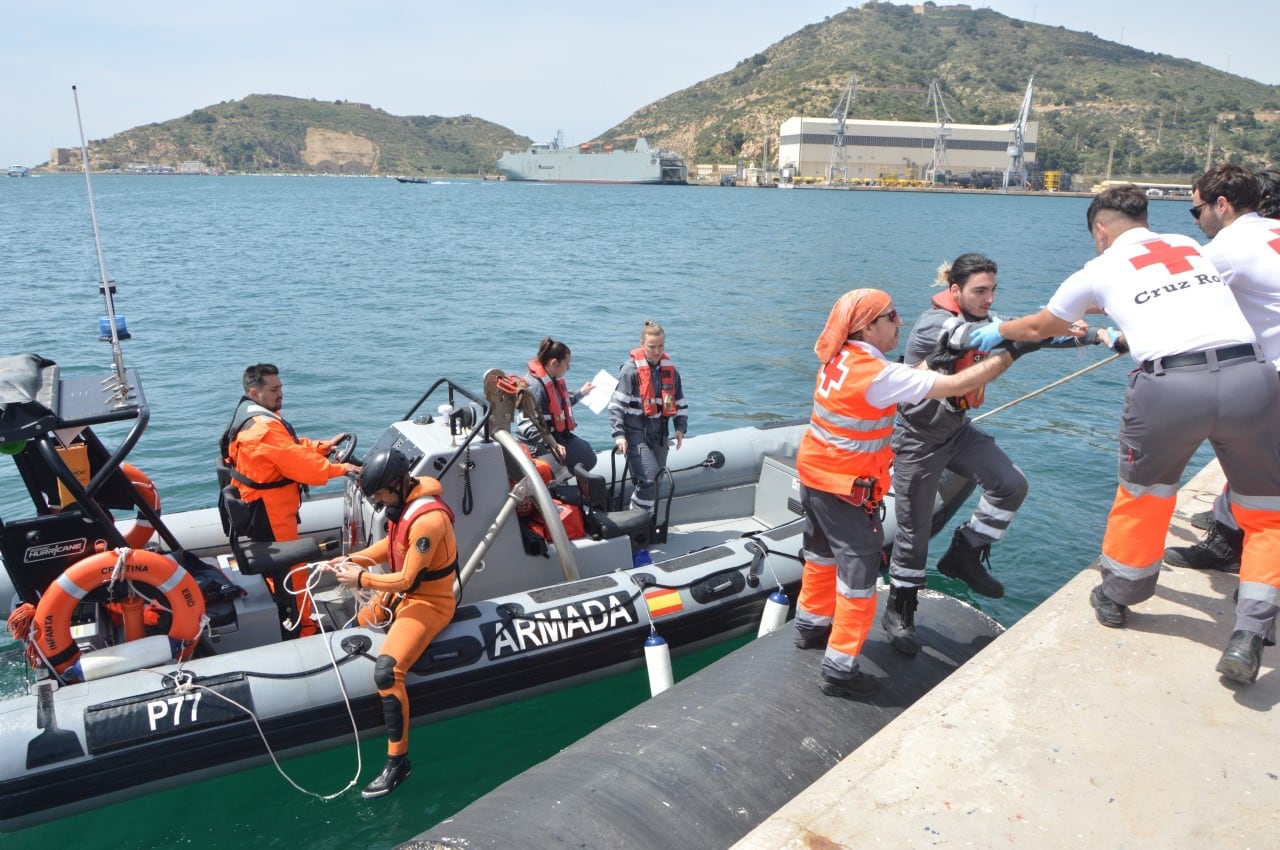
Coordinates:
<point>704,763</point>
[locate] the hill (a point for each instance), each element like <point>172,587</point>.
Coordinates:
<point>1098,102</point>
<point>272,133</point>
<point>1158,111</point>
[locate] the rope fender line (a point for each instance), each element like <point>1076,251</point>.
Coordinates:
<point>1104,361</point>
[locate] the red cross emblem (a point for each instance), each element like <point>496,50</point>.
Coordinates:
<point>1275,243</point>
<point>833,374</point>
<point>1160,251</point>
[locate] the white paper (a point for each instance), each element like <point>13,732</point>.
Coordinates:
<point>601,391</point>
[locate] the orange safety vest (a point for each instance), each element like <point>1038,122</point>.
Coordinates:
<point>659,400</point>
<point>399,534</point>
<point>847,438</point>
<point>559,415</point>
<point>974,398</point>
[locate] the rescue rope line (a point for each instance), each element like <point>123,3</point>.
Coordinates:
<point>1047,387</point>
<point>184,682</point>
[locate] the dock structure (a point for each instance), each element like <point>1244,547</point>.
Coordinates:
<point>1064,733</point>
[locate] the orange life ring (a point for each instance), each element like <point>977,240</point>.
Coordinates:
<point>137,536</point>
<point>53,613</point>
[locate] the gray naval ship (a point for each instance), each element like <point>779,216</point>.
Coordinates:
<point>551,162</point>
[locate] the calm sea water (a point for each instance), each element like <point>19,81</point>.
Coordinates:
<point>365,291</point>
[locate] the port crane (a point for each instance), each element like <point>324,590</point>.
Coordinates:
<point>839,164</point>
<point>1015,176</point>
<point>938,165</point>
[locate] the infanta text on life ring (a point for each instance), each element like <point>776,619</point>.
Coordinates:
<point>53,613</point>
<point>137,534</point>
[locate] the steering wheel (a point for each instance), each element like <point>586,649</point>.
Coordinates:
<point>343,449</point>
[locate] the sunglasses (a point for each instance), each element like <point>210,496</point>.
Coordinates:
<point>892,316</point>
<point>1196,210</point>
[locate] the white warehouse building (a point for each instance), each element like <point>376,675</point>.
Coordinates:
<point>901,148</point>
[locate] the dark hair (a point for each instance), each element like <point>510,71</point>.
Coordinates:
<point>1269,191</point>
<point>549,350</point>
<point>966,266</point>
<point>256,375</point>
<point>1126,199</point>
<point>1238,185</point>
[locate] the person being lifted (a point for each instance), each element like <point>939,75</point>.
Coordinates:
<point>936,434</point>
<point>843,465</point>
<point>415,594</point>
<point>269,462</point>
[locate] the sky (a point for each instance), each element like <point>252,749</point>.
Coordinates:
<point>536,68</point>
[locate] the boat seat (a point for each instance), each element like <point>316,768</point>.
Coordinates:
<point>602,523</point>
<point>262,557</point>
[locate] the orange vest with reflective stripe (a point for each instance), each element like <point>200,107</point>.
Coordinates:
<point>659,400</point>
<point>559,415</point>
<point>847,438</point>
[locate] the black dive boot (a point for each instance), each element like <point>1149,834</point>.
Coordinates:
<point>965,562</point>
<point>396,771</point>
<point>1242,657</point>
<point>899,619</point>
<point>1220,550</point>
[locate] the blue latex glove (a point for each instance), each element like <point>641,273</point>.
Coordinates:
<point>987,337</point>
<point>1118,345</point>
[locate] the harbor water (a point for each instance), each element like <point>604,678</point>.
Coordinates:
<point>365,291</point>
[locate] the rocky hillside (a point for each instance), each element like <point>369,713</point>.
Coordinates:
<point>1092,96</point>
<point>266,133</point>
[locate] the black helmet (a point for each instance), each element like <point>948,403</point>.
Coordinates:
<point>1269,186</point>
<point>384,467</point>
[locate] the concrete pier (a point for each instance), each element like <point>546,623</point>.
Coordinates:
<point>1064,733</point>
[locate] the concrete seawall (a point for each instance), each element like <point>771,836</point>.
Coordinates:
<point>1064,733</point>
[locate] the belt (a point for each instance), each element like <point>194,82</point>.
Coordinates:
<point>1200,358</point>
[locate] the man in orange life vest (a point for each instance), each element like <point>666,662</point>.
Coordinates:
<point>416,593</point>
<point>843,464</point>
<point>648,397</point>
<point>1201,375</point>
<point>268,462</point>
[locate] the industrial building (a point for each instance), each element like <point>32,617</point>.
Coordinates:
<point>896,150</point>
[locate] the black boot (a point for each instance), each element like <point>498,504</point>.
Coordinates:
<point>1242,657</point>
<point>1110,613</point>
<point>1203,520</point>
<point>965,562</point>
<point>1220,550</point>
<point>899,619</point>
<point>396,771</point>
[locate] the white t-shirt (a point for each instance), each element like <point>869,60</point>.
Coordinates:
<point>897,383</point>
<point>1247,254</point>
<point>1160,291</point>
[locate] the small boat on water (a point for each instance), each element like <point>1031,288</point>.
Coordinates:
<point>17,171</point>
<point>414,179</point>
<point>115,709</point>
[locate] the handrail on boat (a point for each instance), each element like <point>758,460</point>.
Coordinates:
<point>458,418</point>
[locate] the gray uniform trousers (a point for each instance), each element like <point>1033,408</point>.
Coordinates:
<point>1167,416</point>
<point>917,466</point>
<point>646,455</point>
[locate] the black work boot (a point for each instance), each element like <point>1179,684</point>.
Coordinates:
<point>965,562</point>
<point>396,771</point>
<point>1220,550</point>
<point>1242,657</point>
<point>899,619</point>
<point>1203,520</point>
<point>1111,614</point>
<point>860,686</point>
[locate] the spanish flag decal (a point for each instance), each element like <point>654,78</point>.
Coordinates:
<point>663,601</point>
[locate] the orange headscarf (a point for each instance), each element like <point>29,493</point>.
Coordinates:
<point>854,310</point>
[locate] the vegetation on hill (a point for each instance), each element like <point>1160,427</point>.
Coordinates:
<point>1158,112</point>
<point>271,133</point>
<point>1097,102</point>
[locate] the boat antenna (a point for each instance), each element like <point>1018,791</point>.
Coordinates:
<point>116,385</point>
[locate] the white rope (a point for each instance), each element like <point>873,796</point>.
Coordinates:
<point>1047,387</point>
<point>184,683</point>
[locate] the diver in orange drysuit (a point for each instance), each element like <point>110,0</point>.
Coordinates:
<point>416,592</point>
